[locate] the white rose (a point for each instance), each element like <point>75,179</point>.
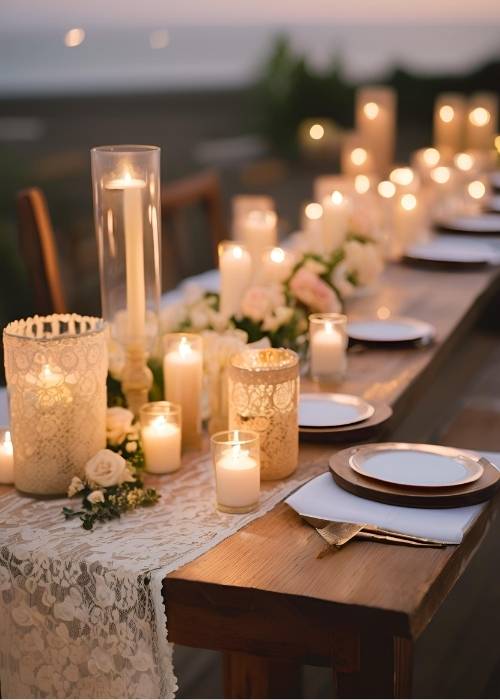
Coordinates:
<point>339,279</point>
<point>107,468</point>
<point>96,497</point>
<point>131,446</point>
<point>118,424</point>
<point>75,486</point>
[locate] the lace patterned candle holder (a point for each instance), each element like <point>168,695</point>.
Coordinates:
<point>263,396</point>
<point>56,370</point>
<point>328,347</point>
<point>236,459</point>
<point>126,185</point>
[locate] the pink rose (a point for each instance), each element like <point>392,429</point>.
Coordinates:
<point>313,292</point>
<point>255,303</point>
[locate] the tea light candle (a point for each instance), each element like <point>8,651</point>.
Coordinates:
<point>312,226</point>
<point>258,232</point>
<point>277,265</point>
<point>235,265</point>
<point>183,377</point>
<point>376,124</point>
<point>328,345</point>
<point>6,457</point>
<point>161,436</point>
<point>449,123</point>
<point>481,121</point>
<point>336,212</point>
<point>237,470</point>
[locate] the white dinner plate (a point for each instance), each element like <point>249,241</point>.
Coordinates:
<point>441,251</point>
<point>493,204</point>
<point>495,179</point>
<point>483,223</point>
<point>406,464</point>
<point>332,410</point>
<point>392,330</point>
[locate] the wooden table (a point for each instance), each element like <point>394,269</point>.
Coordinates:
<point>265,599</point>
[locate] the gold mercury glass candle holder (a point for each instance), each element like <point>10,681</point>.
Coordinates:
<point>328,347</point>
<point>236,460</point>
<point>263,396</point>
<point>161,431</point>
<point>126,187</point>
<point>56,370</point>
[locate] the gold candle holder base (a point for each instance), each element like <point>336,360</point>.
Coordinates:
<point>137,379</point>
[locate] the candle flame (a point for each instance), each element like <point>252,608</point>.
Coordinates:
<point>314,211</point>
<point>402,176</point>
<point>359,156</point>
<point>361,184</point>
<point>185,348</point>
<point>371,110</point>
<point>386,189</point>
<point>277,255</point>
<point>316,132</point>
<point>441,175</point>
<point>447,113</point>
<point>464,161</point>
<point>337,197</point>
<point>408,202</point>
<point>479,116</point>
<point>476,189</point>
<point>237,252</point>
<point>431,157</point>
<point>383,313</point>
<point>7,442</point>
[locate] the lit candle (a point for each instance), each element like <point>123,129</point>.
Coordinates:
<point>161,436</point>
<point>449,123</point>
<point>376,124</point>
<point>183,377</point>
<point>277,265</point>
<point>405,179</point>
<point>424,160</point>
<point>258,232</point>
<point>6,458</point>
<point>237,470</point>
<point>355,157</point>
<point>328,345</point>
<point>407,220</point>
<point>481,123</point>
<point>132,192</point>
<point>243,204</point>
<point>313,227</point>
<point>235,265</point>
<point>324,185</point>
<point>475,193</point>
<point>336,212</point>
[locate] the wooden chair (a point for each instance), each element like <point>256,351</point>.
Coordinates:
<point>38,250</point>
<point>202,191</point>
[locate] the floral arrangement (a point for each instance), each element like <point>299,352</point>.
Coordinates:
<point>112,483</point>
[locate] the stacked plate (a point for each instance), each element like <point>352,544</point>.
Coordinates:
<point>483,224</point>
<point>447,250</point>
<point>396,330</point>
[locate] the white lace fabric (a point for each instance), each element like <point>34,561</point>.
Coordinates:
<point>82,612</point>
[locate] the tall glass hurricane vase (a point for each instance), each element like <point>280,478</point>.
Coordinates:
<point>126,187</point>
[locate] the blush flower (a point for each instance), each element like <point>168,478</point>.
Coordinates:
<point>313,292</point>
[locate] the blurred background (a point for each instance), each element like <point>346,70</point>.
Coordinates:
<point>216,84</point>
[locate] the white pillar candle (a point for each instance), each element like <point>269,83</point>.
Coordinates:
<point>327,352</point>
<point>336,212</point>
<point>355,157</point>
<point>161,442</point>
<point>407,220</point>
<point>424,160</point>
<point>6,459</point>
<point>324,185</point>
<point>183,377</point>
<point>481,123</point>
<point>449,123</point>
<point>312,226</point>
<point>258,232</point>
<point>235,265</point>
<point>237,478</point>
<point>276,266</point>
<point>243,204</point>
<point>376,124</point>
<point>132,190</point>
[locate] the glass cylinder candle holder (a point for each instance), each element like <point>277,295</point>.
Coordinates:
<point>328,347</point>
<point>6,457</point>
<point>236,459</point>
<point>183,380</point>
<point>126,187</point>
<point>263,396</point>
<point>56,370</point>
<point>161,430</point>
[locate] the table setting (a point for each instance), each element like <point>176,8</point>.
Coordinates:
<point>140,440</point>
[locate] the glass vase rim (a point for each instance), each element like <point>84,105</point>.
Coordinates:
<point>238,363</point>
<point>248,437</point>
<point>177,335</point>
<point>161,408</point>
<point>125,148</point>
<point>333,317</point>
<point>100,326</point>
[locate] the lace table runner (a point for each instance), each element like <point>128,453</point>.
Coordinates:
<point>82,612</point>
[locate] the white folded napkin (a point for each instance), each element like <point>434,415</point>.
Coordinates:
<point>322,498</point>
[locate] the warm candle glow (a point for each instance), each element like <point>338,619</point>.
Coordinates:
<point>277,255</point>
<point>74,37</point>
<point>371,110</point>
<point>479,116</point>
<point>361,184</point>
<point>408,202</point>
<point>441,175</point>
<point>476,189</point>
<point>431,157</point>
<point>383,313</point>
<point>7,443</point>
<point>359,156</point>
<point>185,349</point>
<point>316,132</point>
<point>447,113</point>
<point>386,189</point>
<point>314,211</point>
<point>402,176</point>
<point>337,197</point>
<point>463,161</point>
<point>237,252</point>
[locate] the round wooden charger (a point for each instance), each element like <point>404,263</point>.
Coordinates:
<point>355,432</point>
<point>466,495</point>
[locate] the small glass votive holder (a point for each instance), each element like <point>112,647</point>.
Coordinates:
<point>161,434</point>
<point>328,347</point>
<point>236,459</point>
<point>6,457</point>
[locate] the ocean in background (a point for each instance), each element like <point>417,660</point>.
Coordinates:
<point>122,60</point>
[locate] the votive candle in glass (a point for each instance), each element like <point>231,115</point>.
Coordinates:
<point>236,460</point>
<point>183,380</point>
<point>263,396</point>
<point>161,429</point>
<point>235,266</point>
<point>328,347</point>
<point>56,369</point>
<point>6,457</point>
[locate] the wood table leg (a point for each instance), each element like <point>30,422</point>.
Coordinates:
<point>249,676</point>
<point>384,669</point>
